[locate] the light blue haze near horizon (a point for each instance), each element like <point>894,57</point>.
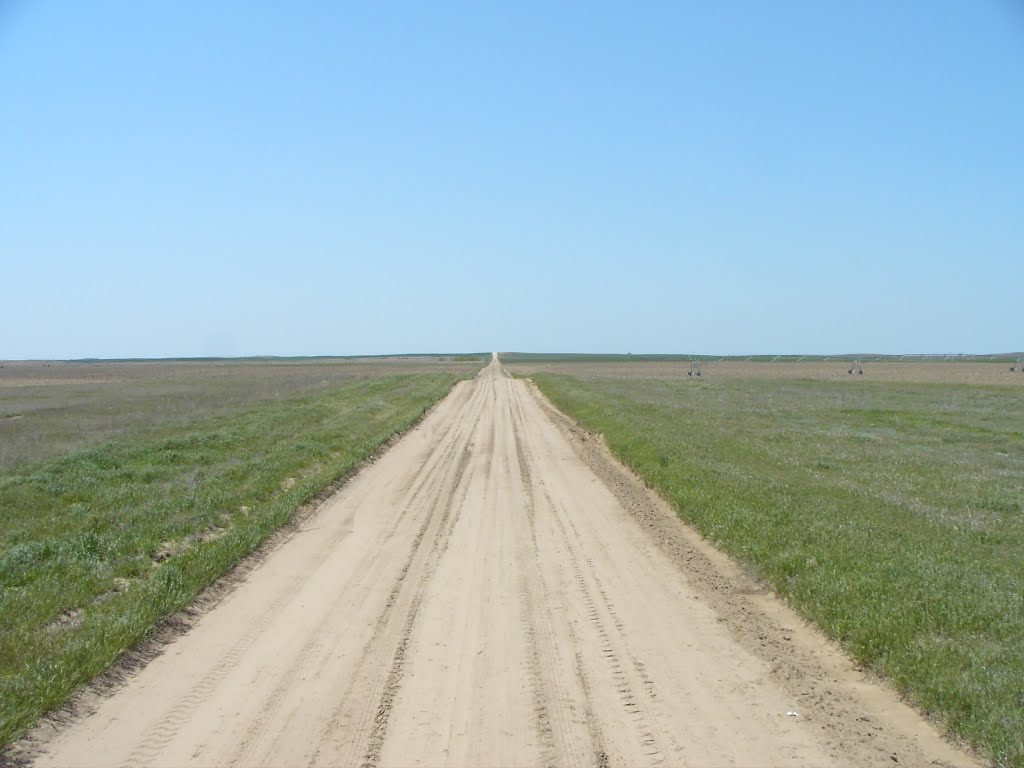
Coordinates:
<point>239,178</point>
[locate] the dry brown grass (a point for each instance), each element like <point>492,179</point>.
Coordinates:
<point>918,372</point>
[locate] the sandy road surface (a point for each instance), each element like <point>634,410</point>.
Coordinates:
<point>478,596</point>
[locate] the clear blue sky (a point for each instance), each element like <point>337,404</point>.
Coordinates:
<point>194,178</point>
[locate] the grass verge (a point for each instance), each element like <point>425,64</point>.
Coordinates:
<point>892,515</point>
<point>98,546</point>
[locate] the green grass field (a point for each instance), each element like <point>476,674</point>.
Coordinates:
<point>100,544</point>
<point>890,514</point>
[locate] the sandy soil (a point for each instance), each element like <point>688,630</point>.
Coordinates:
<point>496,591</point>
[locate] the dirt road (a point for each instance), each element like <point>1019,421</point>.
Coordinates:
<point>481,596</point>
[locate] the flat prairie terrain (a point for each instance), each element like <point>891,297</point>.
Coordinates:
<point>495,590</point>
<point>889,512</point>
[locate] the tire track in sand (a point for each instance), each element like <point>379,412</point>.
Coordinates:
<point>428,483</point>
<point>553,720</point>
<point>365,709</point>
<point>554,704</point>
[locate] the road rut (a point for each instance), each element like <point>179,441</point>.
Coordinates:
<point>477,596</point>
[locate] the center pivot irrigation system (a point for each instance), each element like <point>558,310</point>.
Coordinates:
<point>856,368</point>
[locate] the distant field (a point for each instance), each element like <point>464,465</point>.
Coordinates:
<point>515,358</point>
<point>50,408</point>
<point>98,544</point>
<point>986,373</point>
<point>888,508</point>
